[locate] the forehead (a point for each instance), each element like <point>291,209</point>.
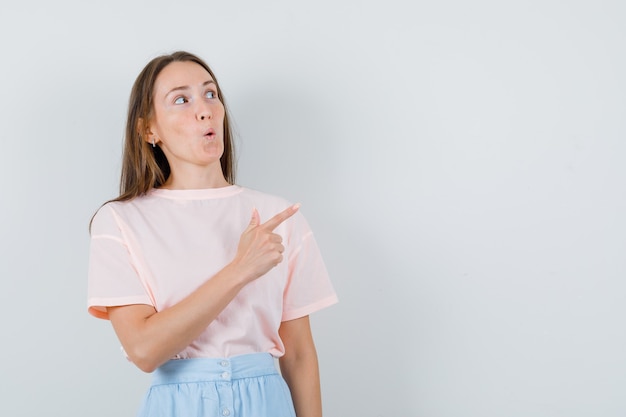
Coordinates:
<point>180,74</point>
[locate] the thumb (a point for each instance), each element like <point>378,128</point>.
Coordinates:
<point>255,220</point>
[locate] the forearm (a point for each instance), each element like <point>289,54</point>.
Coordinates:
<point>152,338</point>
<point>300,368</point>
<point>302,377</point>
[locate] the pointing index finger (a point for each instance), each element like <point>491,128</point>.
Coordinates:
<point>273,223</point>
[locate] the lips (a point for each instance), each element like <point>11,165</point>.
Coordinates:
<point>209,133</point>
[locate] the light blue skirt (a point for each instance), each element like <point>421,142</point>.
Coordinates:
<point>240,386</point>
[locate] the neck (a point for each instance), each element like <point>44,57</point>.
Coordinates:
<point>185,180</point>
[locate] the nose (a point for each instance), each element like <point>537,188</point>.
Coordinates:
<point>204,111</point>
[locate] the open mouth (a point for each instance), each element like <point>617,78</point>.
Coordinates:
<point>209,134</point>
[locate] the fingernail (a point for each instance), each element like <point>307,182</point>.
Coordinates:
<point>296,206</point>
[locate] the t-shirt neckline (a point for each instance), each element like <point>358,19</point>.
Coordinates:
<point>197,194</point>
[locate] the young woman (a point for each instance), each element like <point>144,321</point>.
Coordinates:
<point>205,282</point>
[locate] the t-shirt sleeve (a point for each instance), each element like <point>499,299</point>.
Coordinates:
<point>308,288</point>
<point>113,279</point>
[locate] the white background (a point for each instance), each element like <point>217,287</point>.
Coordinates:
<point>462,165</point>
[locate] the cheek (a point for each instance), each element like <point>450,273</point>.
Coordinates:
<point>220,112</point>
<point>175,123</point>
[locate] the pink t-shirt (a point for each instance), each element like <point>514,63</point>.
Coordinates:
<point>158,248</point>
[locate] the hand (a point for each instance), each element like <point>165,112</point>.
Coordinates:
<point>260,249</point>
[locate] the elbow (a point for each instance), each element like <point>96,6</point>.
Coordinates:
<point>146,366</point>
<point>143,360</point>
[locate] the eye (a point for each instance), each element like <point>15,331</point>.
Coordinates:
<point>180,100</point>
<point>211,94</point>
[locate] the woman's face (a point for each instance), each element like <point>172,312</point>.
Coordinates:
<point>188,120</point>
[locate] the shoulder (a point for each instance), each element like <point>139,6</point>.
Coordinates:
<point>263,200</point>
<point>260,195</point>
<point>111,213</point>
<point>269,205</point>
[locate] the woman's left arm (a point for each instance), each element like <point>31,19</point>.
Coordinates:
<point>299,367</point>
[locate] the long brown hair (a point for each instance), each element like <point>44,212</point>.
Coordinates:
<point>144,166</point>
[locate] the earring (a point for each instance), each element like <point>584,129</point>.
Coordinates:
<point>153,145</point>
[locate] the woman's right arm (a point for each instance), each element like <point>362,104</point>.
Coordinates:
<point>151,338</point>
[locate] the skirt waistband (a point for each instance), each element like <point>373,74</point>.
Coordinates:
<point>178,371</point>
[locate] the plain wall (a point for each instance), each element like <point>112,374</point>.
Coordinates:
<point>461,163</point>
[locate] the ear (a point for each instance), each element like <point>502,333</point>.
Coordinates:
<point>144,131</point>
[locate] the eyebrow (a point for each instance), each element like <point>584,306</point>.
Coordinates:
<point>186,87</point>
